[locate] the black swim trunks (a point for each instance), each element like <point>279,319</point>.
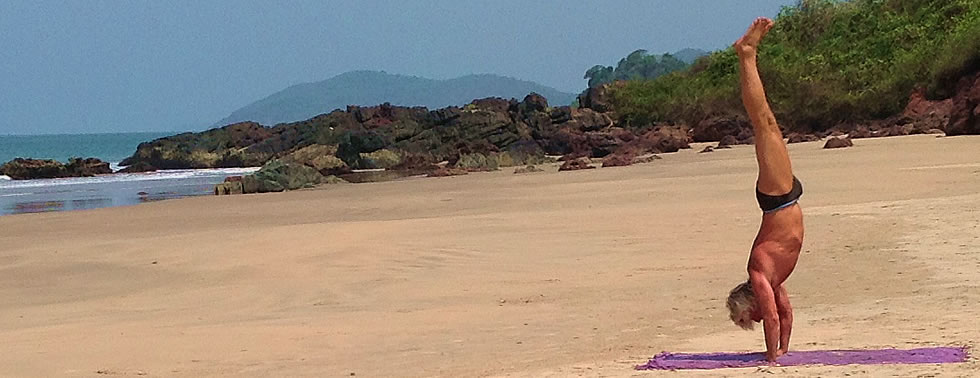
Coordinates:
<point>771,204</point>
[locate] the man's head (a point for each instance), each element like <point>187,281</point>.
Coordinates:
<point>742,306</point>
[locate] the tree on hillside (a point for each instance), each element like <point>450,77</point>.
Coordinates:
<point>637,65</point>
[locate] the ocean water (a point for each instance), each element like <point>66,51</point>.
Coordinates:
<point>111,148</point>
<point>34,196</point>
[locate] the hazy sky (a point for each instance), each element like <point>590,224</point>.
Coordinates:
<point>111,66</point>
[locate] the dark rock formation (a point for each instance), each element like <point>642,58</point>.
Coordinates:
<point>29,169</point>
<point>715,128</point>
<point>576,164</point>
<point>727,141</point>
<point>617,160</point>
<point>860,132</point>
<point>598,98</point>
<point>138,167</point>
<point>646,159</point>
<point>78,167</point>
<point>927,115</point>
<point>965,114</point>
<point>838,143</point>
<point>276,176</point>
<point>801,138</point>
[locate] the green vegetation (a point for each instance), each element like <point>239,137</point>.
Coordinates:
<point>637,65</point>
<point>825,62</point>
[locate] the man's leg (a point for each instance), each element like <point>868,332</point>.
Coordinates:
<point>775,169</point>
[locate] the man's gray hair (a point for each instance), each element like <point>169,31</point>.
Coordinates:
<point>741,305</point>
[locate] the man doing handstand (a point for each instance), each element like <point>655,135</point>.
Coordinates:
<point>777,246</point>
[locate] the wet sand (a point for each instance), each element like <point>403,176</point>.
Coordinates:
<point>546,274</point>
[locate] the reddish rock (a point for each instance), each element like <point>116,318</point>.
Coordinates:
<point>599,98</point>
<point>534,102</point>
<point>494,104</point>
<point>663,139</point>
<point>707,149</point>
<point>860,132</point>
<point>898,130</point>
<point>617,160</point>
<point>646,159</point>
<point>838,143</point>
<point>926,114</point>
<point>801,138</point>
<point>577,164</point>
<point>965,114</point>
<point>589,120</point>
<point>727,141</point>
<point>715,128</point>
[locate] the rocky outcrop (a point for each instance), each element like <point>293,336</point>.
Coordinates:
<point>839,142</point>
<point>576,164</point>
<point>801,138</point>
<point>965,113</point>
<point>483,135</point>
<point>26,169</point>
<point>231,185</point>
<point>380,159</point>
<point>78,167</point>
<point>727,141</point>
<point>29,169</point>
<point>715,128</point>
<point>277,176</point>
<point>138,167</point>
<point>319,157</point>
<point>926,114</point>
<point>599,98</point>
<point>617,160</point>
<point>237,145</point>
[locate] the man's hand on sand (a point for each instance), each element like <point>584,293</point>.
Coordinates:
<point>748,45</point>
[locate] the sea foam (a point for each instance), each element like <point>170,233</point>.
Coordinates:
<point>175,174</point>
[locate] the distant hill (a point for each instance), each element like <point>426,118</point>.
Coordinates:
<point>367,88</point>
<point>689,55</point>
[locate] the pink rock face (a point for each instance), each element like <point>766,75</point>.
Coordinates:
<point>682,361</point>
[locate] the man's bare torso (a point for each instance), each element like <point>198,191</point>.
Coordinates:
<point>777,246</point>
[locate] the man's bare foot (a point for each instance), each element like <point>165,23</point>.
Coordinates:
<point>749,43</point>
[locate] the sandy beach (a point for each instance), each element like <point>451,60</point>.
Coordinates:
<point>582,273</point>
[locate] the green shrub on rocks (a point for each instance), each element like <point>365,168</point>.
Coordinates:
<point>477,162</point>
<point>277,176</point>
<point>383,158</point>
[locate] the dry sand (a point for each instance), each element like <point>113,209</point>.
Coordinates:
<point>548,274</point>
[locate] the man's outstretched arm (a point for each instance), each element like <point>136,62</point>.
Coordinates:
<point>785,311</point>
<point>766,300</point>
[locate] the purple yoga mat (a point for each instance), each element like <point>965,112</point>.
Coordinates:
<point>679,361</point>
